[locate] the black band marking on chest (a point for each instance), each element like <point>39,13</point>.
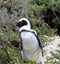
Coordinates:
<point>40,45</point>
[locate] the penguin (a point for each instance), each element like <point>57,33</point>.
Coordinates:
<point>30,43</point>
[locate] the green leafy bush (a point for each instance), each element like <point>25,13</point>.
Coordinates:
<point>13,37</point>
<point>44,30</point>
<point>34,21</point>
<point>56,54</point>
<point>36,9</point>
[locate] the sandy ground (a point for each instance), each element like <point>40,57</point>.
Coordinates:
<point>51,46</point>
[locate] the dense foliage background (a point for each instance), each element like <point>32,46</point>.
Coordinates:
<point>44,16</point>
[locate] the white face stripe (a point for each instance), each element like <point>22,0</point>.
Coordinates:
<point>23,19</point>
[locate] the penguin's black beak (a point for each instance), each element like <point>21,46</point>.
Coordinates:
<point>18,24</point>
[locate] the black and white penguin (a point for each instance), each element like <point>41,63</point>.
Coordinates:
<point>30,42</point>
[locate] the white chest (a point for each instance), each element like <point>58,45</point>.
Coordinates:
<point>29,41</point>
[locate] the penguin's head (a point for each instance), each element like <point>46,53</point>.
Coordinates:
<point>23,22</point>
